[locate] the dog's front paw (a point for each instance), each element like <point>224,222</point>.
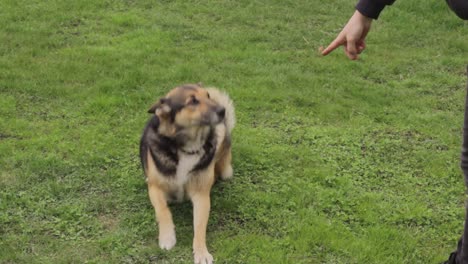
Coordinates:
<point>202,257</point>
<point>167,239</point>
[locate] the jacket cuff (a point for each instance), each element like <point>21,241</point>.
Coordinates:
<point>370,8</point>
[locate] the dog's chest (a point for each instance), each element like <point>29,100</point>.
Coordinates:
<point>185,166</point>
<point>183,173</point>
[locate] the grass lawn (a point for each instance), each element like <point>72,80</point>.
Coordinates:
<point>335,161</point>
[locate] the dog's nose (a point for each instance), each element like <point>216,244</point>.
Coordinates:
<point>221,112</point>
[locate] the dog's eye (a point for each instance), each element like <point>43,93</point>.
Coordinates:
<point>208,95</point>
<point>194,101</point>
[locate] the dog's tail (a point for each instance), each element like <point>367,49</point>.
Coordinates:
<point>223,99</point>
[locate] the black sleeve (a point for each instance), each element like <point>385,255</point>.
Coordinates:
<point>460,7</point>
<point>372,8</point>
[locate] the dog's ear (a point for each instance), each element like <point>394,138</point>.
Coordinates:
<point>161,107</point>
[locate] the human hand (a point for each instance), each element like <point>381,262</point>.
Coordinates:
<point>352,37</point>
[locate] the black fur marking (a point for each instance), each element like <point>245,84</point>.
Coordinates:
<point>175,108</point>
<point>210,149</point>
<point>163,150</point>
<point>165,157</point>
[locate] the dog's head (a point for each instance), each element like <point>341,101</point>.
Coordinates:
<point>187,107</point>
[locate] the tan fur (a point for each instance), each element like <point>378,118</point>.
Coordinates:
<point>198,186</point>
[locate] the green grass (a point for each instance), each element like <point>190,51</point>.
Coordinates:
<point>335,161</point>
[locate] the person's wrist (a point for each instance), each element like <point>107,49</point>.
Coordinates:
<point>363,18</point>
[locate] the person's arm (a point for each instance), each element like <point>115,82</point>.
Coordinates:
<point>353,35</point>
<point>460,7</point>
<point>372,8</point>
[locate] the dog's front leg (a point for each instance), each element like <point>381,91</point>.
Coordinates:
<point>167,237</point>
<point>201,212</point>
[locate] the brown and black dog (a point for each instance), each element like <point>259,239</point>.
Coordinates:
<point>185,145</point>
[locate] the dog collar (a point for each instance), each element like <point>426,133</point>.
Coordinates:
<point>193,152</point>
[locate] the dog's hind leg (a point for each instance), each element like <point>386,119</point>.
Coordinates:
<point>167,237</point>
<point>223,167</point>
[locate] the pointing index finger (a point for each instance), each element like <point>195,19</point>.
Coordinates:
<point>335,44</point>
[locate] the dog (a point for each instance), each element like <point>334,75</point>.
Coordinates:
<point>185,147</point>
